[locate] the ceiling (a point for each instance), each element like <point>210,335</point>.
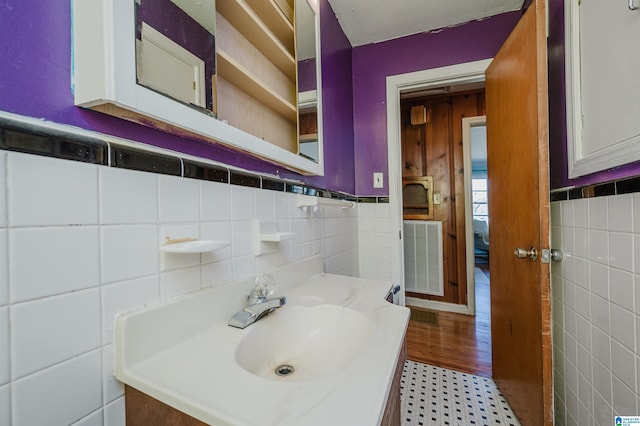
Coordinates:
<point>371,21</point>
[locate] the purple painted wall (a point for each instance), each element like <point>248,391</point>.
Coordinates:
<point>35,80</point>
<point>559,173</point>
<point>337,104</point>
<point>374,62</point>
<point>307,75</point>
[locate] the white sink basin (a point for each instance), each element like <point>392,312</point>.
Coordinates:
<point>339,333</point>
<point>316,342</point>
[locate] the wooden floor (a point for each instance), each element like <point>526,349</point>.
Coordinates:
<point>459,342</point>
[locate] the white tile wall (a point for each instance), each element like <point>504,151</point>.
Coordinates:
<point>596,309</point>
<point>178,199</point>
<point>374,241</point>
<point>128,196</point>
<point>3,189</point>
<point>62,394</point>
<point>71,254</point>
<point>4,267</point>
<point>5,405</point>
<point>79,243</point>
<point>5,356</point>
<point>44,191</point>
<point>50,330</point>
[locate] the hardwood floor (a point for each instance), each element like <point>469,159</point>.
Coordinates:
<point>459,342</point>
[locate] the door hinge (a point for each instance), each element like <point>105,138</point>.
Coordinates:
<point>194,85</point>
<point>399,235</point>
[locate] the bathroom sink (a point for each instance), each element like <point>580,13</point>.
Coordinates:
<point>299,343</point>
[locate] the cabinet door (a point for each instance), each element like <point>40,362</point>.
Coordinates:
<point>603,84</point>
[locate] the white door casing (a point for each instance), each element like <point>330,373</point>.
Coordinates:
<point>470,72</point>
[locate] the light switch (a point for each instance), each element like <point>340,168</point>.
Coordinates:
<point>377,180</point>
<point>437,198</point>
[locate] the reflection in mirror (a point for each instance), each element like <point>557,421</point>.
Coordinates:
<point>175,50</point>
<point>307,48</point>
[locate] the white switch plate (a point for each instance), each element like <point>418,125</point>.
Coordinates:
<point>437,198</point>
<point>377,180</point>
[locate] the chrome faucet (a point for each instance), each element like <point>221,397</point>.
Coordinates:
<point>258,304</point>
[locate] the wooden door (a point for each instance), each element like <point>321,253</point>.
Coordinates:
<point>517,147</point>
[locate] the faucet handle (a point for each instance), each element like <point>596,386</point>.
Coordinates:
<point>264,286</point>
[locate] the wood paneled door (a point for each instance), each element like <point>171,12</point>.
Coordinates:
<point>433,147</point>
<point>517,149</point>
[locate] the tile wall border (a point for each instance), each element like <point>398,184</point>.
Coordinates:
<point>616,187</point>
<point>37,137</point>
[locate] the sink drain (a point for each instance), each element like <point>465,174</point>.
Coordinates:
<point>284,370</point>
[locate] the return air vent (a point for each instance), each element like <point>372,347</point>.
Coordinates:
<point>423,257</point>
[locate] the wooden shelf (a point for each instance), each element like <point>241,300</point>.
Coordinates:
<point>286,7</point>
<point>310,137</point>
<point>236,74</point>
<point>245,20</point>
<point>276,20</point>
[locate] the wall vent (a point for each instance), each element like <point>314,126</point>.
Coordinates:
<point>423,257</point>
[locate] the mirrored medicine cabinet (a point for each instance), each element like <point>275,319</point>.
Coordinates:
<point>244,73</point>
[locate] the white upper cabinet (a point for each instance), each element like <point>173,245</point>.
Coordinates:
<point>603,84</point>
<point>240,71</point>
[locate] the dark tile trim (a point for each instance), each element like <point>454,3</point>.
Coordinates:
<point>307,190</point>
<point>244,179</point>
<point>294,189</point>
<point>32,138</point>
<point>618,187</point>
<point>272,184</point>
<point>202,171</point>
<point>628,186</point>
<point>559,196</point>
<point>146,161</point>
<point>67,148</point>
<point>575,193</point>
<point>368,200</point>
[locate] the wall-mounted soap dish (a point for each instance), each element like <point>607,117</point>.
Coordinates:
<point>192,245</point>
<point>267,237</point>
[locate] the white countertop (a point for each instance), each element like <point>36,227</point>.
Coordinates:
<point>176,355</point>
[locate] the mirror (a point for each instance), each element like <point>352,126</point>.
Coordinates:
<point>307,48</point>
<point>175,50</point>
<point>106,77</point>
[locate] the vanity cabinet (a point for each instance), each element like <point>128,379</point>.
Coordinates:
<point>143,410</point>
<point>393,411</point>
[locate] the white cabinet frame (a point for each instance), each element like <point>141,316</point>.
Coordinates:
<point>105,74</point>
<point>610,153</point>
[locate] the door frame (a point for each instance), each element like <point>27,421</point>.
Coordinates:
<point>469,72</point>
<point>467,124</point>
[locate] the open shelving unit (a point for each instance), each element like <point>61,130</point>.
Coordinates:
<point>237,75</point>
<point>257,69</point>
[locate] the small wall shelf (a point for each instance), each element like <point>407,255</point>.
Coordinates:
<point>267,237</point>
<point>191,245</point>
<point>309,201</point>
<point>276,237</point>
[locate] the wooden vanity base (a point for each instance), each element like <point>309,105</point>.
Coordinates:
<point>143,410</point>
<point>393,411</point>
